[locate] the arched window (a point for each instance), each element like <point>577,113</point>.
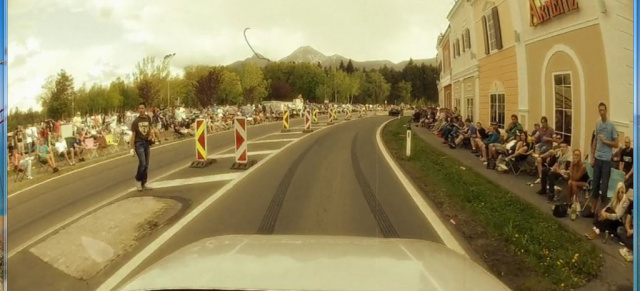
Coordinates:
<point>563,107</point>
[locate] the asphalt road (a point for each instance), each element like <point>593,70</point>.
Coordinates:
<point>331,182</point>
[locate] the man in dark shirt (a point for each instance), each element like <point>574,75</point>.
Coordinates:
<point>140,144</point>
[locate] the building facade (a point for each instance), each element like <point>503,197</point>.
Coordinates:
<point>577,53</point>
<point>444,61</point>
<point>553,58</point>
<point>464,63</point>
<point>497,63</point>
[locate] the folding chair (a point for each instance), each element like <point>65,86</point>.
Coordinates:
<point>111,144</point>
<point>517,166</point>
<point>92,147</point>
<point>19,174</point>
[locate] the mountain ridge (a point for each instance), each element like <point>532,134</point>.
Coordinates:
<point>307,54</point>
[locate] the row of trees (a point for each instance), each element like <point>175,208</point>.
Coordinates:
<point>203,86</point>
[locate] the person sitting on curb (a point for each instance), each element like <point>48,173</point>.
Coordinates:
<point>544,137</point>
<point>21,164</point>
<point>493,137</point>
<point>522,148</point>
<point>559,170</point>
<point>45,156</point>
<point>625,162</point>
<point>578,176</point>
<point>625,234</point>
<point>61,148</point>
<point>470,132</point>
<point>610,217</point>
<point>78,147</point>
<point>482,134</point>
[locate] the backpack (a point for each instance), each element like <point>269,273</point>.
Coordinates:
<point>560,210</point>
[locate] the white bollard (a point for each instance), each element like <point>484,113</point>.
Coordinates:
<point>408,143</point>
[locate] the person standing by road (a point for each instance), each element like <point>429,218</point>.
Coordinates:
<point>140,143</point>
<point>606,139</point>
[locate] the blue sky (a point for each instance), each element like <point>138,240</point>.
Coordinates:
<point>97,41</point>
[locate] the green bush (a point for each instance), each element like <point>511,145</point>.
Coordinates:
<point>558,255</point>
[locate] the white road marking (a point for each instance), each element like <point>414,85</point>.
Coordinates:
<point>249,154</point>
<point>83,213</point>
<point>272,140</point>
<point>128,268</point>
<point>194,180</point>
<point>426,210</point>
<point>110,160</point>
<point>291,132</point>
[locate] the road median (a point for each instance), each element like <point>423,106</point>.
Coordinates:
<point>524,247</point>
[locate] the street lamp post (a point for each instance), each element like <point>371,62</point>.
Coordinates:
<point>167,58</point>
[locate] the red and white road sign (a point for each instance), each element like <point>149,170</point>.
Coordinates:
<point>307,119</point>
<point>201,140</point>
<point>240,125</point>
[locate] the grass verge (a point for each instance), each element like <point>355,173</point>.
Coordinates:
<point>514,238</point>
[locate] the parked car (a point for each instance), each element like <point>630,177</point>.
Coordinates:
<point>395,111</point>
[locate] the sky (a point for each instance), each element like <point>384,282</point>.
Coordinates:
<point>97,41</point>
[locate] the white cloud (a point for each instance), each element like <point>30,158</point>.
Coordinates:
<point>96,40</point>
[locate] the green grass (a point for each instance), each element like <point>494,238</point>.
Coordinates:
<point>557,255</point>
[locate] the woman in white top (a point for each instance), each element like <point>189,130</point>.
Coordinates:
<point>610,218</point>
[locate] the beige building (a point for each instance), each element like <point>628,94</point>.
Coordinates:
<point>444,62</point>
<point>573,54</point>
<point>464,62</point>
<point>497,63</point>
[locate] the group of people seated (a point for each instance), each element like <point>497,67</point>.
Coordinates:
<point>562,172</point>
<point>45,154</point>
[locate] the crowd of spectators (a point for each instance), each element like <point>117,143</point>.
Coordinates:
<point>595,185</point>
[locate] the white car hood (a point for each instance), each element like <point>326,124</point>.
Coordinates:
<point>282,262</point>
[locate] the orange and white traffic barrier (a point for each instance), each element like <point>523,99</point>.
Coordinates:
<point>307,121</point>
<point>201,145</point>
<point>242,160</point>
<point>285,121</point>
<point>348,117</point>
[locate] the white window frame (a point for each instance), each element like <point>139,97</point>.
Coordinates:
<point>491,32</point>
<point>447,100</point>
<point>553,81</point>
<point>457,103</point>
<point>497,109</point>
<point>469,107</point>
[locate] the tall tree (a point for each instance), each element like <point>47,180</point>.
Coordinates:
<point>281,91</point>
<point>342,67</point>
<point>376,88</point>
<point>254,87</point>
<point>230,88</point>
<point>57,96</point>
<point>208,87</point>
<point>151,78</point>
<point>350,69</point>
<point>404,92</point>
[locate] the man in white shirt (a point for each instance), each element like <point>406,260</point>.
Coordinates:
<point>62,149</point>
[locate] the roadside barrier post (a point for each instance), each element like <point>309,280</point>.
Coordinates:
<point>330,122</point>
<point>348,117</point>
<point>307,121</point>
<point>408,153</point>
<point>242,160</point>
<point>201,145</point>
<point>315,115</point>
<point>285,121</point>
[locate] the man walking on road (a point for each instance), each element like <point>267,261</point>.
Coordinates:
<point>140,142</point>
<point>606,139</point>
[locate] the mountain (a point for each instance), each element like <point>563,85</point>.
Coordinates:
<point>307,54</point>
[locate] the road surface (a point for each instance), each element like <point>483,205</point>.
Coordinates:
<point>333,181</point>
